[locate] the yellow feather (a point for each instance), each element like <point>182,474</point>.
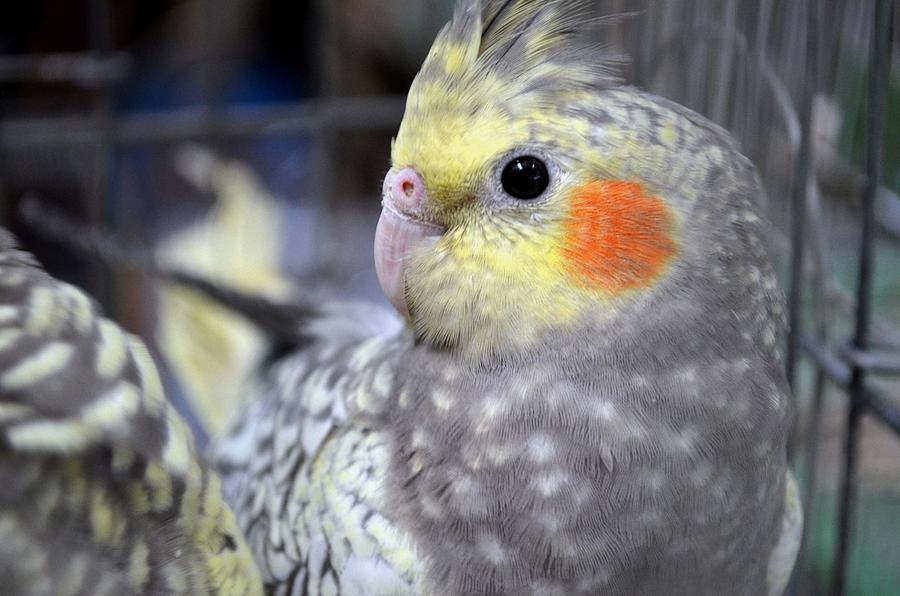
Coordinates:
<point>211,349</point>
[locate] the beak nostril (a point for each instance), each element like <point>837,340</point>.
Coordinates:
<point>405,190</point>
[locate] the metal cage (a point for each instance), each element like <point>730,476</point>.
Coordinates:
<point>750,66</point>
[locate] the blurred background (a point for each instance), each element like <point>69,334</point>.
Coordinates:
<point>143,118</point>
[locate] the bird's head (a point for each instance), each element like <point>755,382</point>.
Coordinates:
<point>529,193</point>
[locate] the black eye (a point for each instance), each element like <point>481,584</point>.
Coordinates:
<point>525,177</point>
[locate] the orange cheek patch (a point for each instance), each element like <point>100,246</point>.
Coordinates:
<point>618,237</point>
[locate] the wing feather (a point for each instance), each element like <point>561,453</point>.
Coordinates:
<point>102,489</point>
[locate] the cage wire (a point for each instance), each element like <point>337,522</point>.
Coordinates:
<point>805,87</point>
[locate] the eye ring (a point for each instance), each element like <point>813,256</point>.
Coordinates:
<point>525,177</point>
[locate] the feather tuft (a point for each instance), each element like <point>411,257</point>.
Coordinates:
<point>533,46</point>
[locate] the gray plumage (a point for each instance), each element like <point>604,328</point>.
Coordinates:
<point>638,449</point>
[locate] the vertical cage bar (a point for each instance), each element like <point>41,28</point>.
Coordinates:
<point>212,69</point>
<point>751,115</point>
<point>696,56</point>
<point>802,569</point>
<point>821,308</point>
<point>879,68</point>
<point>650,31</point>
<point>325,138</point>
<point>100,210</point>
<point>722,91</point>
<point>800,186</point>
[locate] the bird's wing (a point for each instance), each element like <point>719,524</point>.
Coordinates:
<point>101,491</point>
<point>311,497</point>
<point>210,348</point>
<point>781,562</point>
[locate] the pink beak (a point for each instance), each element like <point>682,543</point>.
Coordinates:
<point>400,232</point>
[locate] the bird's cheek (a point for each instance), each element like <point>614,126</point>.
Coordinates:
<point>619,238</point>
<point>397,239</point>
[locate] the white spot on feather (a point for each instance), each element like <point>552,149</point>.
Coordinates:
<point>12,278</point>
<point>42,316</point>
<point>363,576</point>
<point>279,564</point>
<point>684,441</point>
<point>493,406</point>
<point>113,407</point>
<point>79,305</point>
<point>314,432</point>
<point>319,397</point>
<point>741,365</point>
<point>405,399</point>
<point>441,399</point>
<point>365,353</point>
<point>59,436</point>
<point>688,374</point>
<point>111,352</point>
<point>431,508</point>
<point>383,380</point>
<point>47,361</point>
<point>177,452</point>
<point>605,410</point>
<point>653,479</point>
<point>754,274</point>
<point>8,313</point>
<point>541,448</point>
<point>500,454</point>
<point>491,549</point>
<point>549,484</point>
<point>419,439</point>
<point>762,449</point>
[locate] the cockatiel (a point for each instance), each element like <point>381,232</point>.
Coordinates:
<point>101,492</point>
<point>589,395</point>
